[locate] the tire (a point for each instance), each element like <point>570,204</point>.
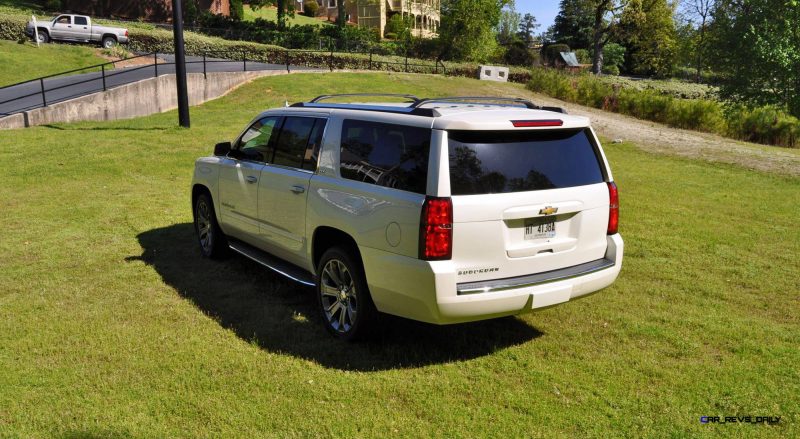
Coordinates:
<point>44,37</point>
<point>213,243</point>
<point>343,297</point>
<point>109,42</point>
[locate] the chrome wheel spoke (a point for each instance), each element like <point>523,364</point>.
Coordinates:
<point>329,291</point>
<point>351,313</point>
<point>333,274</point>
<point>342,314</point>
<point>332,308</point>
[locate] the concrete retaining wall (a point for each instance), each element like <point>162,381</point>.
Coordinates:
<point>149,96</point>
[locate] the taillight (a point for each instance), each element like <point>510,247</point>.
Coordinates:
<point>126,32</point>
<point>436,229</point>
<point>613,208</point>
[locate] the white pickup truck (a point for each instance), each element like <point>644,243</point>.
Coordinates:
<point>79,28</point>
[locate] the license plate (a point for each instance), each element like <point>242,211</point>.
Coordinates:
<point>540,228</point>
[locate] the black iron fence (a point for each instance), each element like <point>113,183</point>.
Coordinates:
<point>46,90</point>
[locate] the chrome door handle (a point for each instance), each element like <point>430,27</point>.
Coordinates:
<point>251,179</point>
<point>298,189</point>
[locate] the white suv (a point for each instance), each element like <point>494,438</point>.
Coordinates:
<point>442,210</point>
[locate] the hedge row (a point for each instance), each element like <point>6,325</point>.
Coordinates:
<point>767,125</point>
<point>12,27</point>
<point>158,40</point>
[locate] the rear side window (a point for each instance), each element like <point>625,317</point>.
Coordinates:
<point>394,156</point>
<point>81,21</point>
<point>298,142</point>
<point>483,162</point>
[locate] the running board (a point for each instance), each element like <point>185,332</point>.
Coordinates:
<point>279,266</point>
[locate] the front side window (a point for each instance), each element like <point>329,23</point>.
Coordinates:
<point>394,156</point>
<point>256,143</point>
<point>297,142</point>
<point>81,21</point>
<point>491,162</point>
<point>64,19</point>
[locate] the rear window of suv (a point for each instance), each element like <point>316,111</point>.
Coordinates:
<point>389,155</point>
<point>490,162</point>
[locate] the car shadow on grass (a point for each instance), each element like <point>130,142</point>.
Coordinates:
<point>280,316</point>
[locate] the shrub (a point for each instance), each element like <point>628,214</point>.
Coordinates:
<point>613,57</point>
<point>398,25</point>
<point>12,27</point>
<point>611,70</point>
<point>583,55</point>
<point>390,36</point>
<point>592,93</point>
<point>310,8</point>
<point>518,54</point>
<point>767,124</point>
<point>552,83</point>
<point>552,52</point>
<point>696,114</point>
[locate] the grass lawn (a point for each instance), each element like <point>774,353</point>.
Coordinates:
<point>25,61</point>
<point>271,14</point>
<point>111,325</point>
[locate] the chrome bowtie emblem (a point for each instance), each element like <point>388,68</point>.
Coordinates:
<point>549,210</point>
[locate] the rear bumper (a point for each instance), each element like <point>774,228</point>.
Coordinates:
<point>428,291</point>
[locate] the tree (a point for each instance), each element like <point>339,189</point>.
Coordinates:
<point>647,29</point>
<point>341,14</point>
<point>284,8</point>
<point>526,29</point>
<point>237,10</point>
<point>509,23</point>
<point>697,13</point>
<point>467,29</point>
<point>588,24</point>
<point>757,51</point>
<point>606,17</point>
<point>573,25</point>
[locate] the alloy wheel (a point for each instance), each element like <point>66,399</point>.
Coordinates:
<point>204,227</point>
<point>339,296</point>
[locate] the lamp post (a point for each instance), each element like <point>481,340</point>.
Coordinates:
<point>180,64</point>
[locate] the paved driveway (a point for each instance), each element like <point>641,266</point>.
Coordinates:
<point>28,96</point>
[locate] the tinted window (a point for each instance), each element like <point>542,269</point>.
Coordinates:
<point>256,143</point>
<point>292,148</point>
<point>314,143</point>
<point>394,156</point>
<point>81,21</point>
<point>505,161</point>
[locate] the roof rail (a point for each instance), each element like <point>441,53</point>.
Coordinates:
<point>468,99</point>
<point>393,95</point>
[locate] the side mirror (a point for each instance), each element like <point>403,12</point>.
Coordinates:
<point>222,149</point>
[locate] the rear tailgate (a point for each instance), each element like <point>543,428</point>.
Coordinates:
<point>526,202</point>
